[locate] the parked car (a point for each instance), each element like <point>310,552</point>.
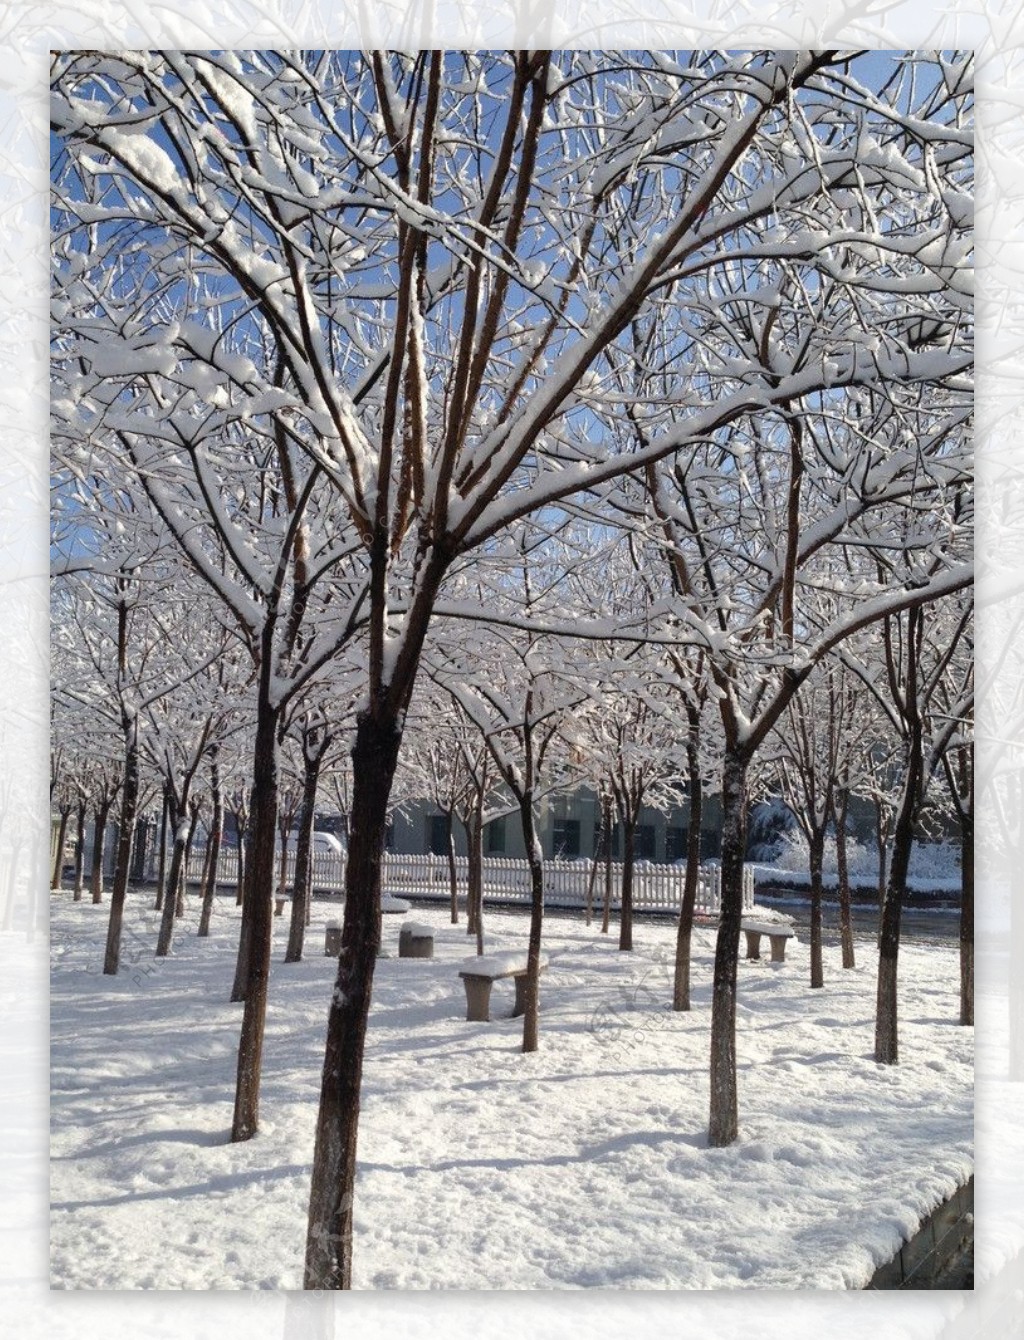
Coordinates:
<point>326,842</point>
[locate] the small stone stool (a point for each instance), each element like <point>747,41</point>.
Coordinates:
<point>416,941</point>
<point>332,939</point>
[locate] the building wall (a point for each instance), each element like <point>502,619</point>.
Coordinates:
<point>569,822</point>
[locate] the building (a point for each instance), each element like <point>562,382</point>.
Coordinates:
<point>568,826</point>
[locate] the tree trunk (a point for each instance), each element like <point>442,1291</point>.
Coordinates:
<point>626,904</point>
<point>100,818</point>
<point>453,875</point>
<point>839,812</point>
<point>684,934</point>
<point>161,874</point>
<point>241,958</point>
<point>966,918</point>
<point>169,911</point>
<point>303,862</point>
<point>816,859</point>
<point>478,847</point>
<point>881,840</point>
<point>193,813</point>
<point>475,874</point>
<point>886,1019</point>
<point>126,833</point>
<point>723,1126</point>
<point>81,810</point>
<point>329,1240</point>
<point>213,849</point>
<point>257,915</point>
<point>531,1014</point>
<point>595,864</point>
<point>282,860</point>
<point>241,828</point>
<point>471,877</point>
<point>606,909</point>
<point>58,860</point>
<point>140,849</point>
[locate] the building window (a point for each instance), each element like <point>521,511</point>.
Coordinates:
<point>565,837</point>
<point>437,834</point>
<point>494,836</point>
<point>675,844</point>
<point>643,843</point>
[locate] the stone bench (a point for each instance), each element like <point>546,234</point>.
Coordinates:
<point>280,899</point>
<point>391,904</point>
<point>415,941</point>
<point>480,974</point>
<point>778,932</point>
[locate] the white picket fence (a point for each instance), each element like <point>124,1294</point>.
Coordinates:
<point>656,888</point>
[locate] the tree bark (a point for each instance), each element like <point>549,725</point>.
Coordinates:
<point>80,813</point>
<point>213,850</point>
<point>329,1240</point>
<point>595,865</point>
<point>531,1014</point>
<point>475,872</point>
<point>161,875</point>
<point>606,907</point>
<point>169,911</point>
<point>816,859</point>
<point>193,819</point>
<point>170,902</point>
<point>303,859</point>
<point>723,1126</point>
<point>840,807</point>
<point>253,964</point>
<point>626,903</point>
<point>284,824</point>
<point>241,829</point>
<point>882,842</point>
<point>684,933</point>
<point>886,1017</point>
<point>471,876</point>
<point>453,876</point>
<point>126,833</point>
<point>100,817</point>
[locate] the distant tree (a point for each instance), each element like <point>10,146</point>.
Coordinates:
<point>518,705</point>
<point>811,748</point>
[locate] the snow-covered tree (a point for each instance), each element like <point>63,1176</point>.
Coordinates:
<point>811,747</point>
<point>518,703</point>
<point>444,256</point>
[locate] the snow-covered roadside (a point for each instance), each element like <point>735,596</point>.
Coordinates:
<point>585,1164</point>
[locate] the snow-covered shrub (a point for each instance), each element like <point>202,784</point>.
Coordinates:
<point>768,826</point>
<point>793,855</point>
<point>935,861</point>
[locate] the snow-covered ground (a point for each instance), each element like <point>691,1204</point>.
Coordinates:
<point>584,1164</point>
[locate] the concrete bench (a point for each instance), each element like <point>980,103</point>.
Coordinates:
<point>390,903</point>
<point>778,932</point>
<point>480,974</point>
<point>279,902</point>
<point>416,941</point>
